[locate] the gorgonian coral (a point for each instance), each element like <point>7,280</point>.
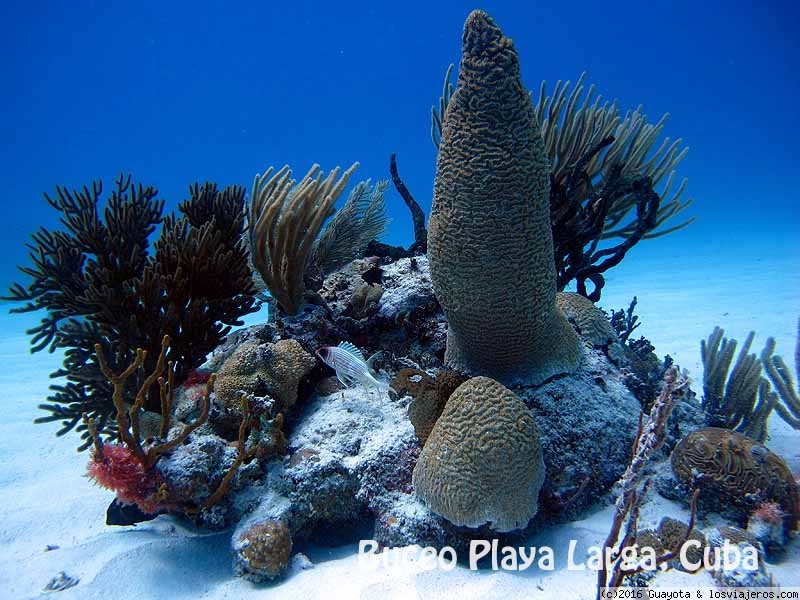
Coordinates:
<point>98,282</point>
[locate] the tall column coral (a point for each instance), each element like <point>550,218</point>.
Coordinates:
<point>489,238</point>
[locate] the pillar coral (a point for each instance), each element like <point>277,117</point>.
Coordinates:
<point>489,238</point>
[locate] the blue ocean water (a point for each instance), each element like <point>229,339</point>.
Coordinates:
<point>178,92</point>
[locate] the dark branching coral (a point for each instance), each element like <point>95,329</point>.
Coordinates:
<point>99,284</point>
<point>736,465</point>
<point>490,244</point>
<point>605,169</point>
<point>417,215</point>
<point>624,321</point>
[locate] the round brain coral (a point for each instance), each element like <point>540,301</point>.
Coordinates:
<point>590,321</point>
<point>736,465</point>
<point>490,243</point>
<point>262,552</point>
<point>483,461</point>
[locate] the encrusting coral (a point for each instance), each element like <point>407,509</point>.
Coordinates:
<point>365,298</point>
<point>273,370</point>
<point>738,466</point>
<point>482,462</point>
<point>99,284</point>
<point>490,244</point>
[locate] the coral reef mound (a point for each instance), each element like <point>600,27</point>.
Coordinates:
<point>483,461</point>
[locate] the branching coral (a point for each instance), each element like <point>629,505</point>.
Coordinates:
<point>128,468</point>
<point>604,171</point>
<point>285,221</point>
<point>649,438</point>
<point>781,378</point>
<point>571,128</point>
<point>625,321</point>
<point>361,219</point>
<point>98,283</point>
<point>417,215</point>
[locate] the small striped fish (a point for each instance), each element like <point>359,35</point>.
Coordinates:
<point>351,367</point>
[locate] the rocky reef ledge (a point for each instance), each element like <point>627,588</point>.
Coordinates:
<point>344,469</point>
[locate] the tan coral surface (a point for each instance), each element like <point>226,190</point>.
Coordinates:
<point>271,369</point>
<point>483,461</point>
<point>490,244</point>
<point>590,321</point>
<point>737,465</point>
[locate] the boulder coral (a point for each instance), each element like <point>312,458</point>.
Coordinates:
<point>490,243</point>
<point>262,552</point>
<point>274,370</point>
<point>590,322</point>
<point>737,466</point>
<point>483,461</point>
<point>429,396</point>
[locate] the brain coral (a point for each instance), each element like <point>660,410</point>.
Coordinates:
<point>490,243</point>
<point>482,462</point>
<point>590,321</point>
<point>272,369</point>
<point>737,465</point>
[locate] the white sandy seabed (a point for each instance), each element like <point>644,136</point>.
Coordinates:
<point>47,502</point>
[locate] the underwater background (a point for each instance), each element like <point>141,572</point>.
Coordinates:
<point>181,92</point>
